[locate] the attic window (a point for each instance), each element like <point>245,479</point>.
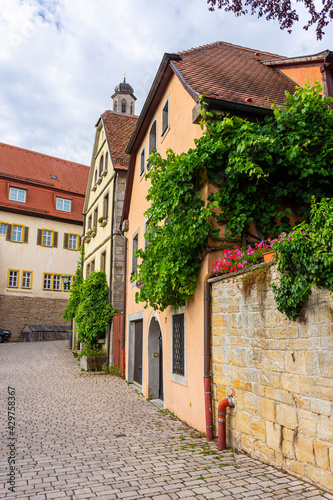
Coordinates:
<point>17,195</point>
<point>63,205</point>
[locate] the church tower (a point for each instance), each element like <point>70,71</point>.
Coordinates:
<point>124,98</point>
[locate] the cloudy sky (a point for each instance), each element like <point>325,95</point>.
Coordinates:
<point>61,59</point>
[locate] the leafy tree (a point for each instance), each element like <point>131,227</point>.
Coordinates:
<point>281,11</point>
<point>93,311</point>
<point>262,172</point>
<point>75,294</point>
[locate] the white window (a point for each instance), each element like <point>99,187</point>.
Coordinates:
<point>17,195</point>
<point>13,279</point>
<point>17,234</point>
<point>47,281</point>
<point>72,242</point>
<point>165,118</point>
<point>47,238</point>
<point>26,279</point>
<point>63,205</point>
<point>56,282</point>
<point>3,227</point>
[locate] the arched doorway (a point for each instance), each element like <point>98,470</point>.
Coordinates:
<point>155,360</point>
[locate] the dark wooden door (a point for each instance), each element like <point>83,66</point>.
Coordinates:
<point>160,358</point>
<point>138,352</point>
<point>117,339</point>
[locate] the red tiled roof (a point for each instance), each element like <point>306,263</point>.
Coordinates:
<point>224,71</point>
<point>29,166</point>
<point>32,171</point>
<point>118,128</point>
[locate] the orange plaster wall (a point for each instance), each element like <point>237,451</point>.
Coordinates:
<point>303,75</point>
<point>187,402</point>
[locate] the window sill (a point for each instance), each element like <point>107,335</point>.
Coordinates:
<point>94,187</point>
<point>99,180</point>
<point>163,136</point>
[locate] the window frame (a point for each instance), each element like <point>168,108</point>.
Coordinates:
<point>142,164</point>
<point>150,148</point>
<point>4,224</point>
<point>134,259</point>
<point>30,280</point>
<point>175,377</point>
<point>17,278</point>
<point>165,129</point>
<point>22,233</point>
<point>52,238</point>
<point>58,199</point>
<point>77,240</point>
<point>52,281</point>
<point>16,198</point>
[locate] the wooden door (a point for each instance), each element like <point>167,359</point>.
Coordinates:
<point>137,377</point>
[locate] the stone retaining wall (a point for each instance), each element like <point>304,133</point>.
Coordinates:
<point>17,312</point>
<point>282,373</point>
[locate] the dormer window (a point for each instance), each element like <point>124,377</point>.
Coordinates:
<point>19,195</point>
<point>63,205</point>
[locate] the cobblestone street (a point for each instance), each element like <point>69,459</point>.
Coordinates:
<point>84,435</point>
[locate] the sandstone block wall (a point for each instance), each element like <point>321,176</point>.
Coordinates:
<point>17,312</point>
<point>282,373</point>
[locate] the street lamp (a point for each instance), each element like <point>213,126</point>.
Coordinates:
<point>65,280</point>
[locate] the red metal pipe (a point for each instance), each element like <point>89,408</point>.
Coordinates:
<point>222,433</point>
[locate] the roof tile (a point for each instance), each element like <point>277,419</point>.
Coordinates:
<point>118,128</point>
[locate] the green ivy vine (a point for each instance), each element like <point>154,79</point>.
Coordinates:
<point>305,259</point>
<point>262,171</point>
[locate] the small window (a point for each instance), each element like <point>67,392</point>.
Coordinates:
<point>178,344</point>
<point>47,282</point>
<point>26,279</point>
<point>95,217</point>
<point>72,241</point>
<point>3,227</point>
<point>17,233</point>
<point>17,195</point>
<point>47,238</point>
<point>101,164</point>
<point>115,106</point>
<point>56,282</point>
<point>142,162</point>
<point>13,278</point>
<point>89,221</point>
<point>106,205</point>
<point>165,117</point>
<point>63,205</point>
<point>123,106</point>
<point>103,261</point>
<point>135,246</point>
<point>152,146</point>
<point>131,109</point>
<point>92,266</point>
<point>106,165</point>
<point>87,270</point>
<point>96,175</point>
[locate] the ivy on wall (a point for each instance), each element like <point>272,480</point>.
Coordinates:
<point>263,172</point>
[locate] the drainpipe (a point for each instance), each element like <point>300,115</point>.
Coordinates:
<point>124,307</point>
<point>207,377</point>
<point>111,267</point>
<point>223,405</point>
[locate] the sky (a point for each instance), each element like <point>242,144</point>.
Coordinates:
<point>60,60</point>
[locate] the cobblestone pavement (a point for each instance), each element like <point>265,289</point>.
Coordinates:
<point>83,435</point>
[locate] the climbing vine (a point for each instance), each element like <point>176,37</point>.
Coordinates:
<point>75,293</point>
<point>305,259</point>
<point>262,171</point>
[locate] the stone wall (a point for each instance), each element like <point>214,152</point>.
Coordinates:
<point>17,312</point>
<point>282,373</point>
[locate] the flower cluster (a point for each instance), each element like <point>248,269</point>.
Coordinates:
<point>238,258</point>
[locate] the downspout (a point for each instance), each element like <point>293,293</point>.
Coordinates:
<point>124,307</point>
<point>111,268</point>
<point>207,377</point>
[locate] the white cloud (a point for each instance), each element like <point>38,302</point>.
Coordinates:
<point>61,59</point>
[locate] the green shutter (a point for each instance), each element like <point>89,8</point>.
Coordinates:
<point>26,235</point>
<point>55,239</point>
<point>39,236</point>
<point>9,232</point>
<point>65,240</point>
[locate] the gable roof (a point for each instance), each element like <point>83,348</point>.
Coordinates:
<point>33,171</point>
<point>232,73</point>
<point>118,130</point>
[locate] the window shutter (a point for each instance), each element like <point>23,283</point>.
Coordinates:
<point>39,236</point>
<point>26,235</point>
<point>65,240</point>
<point>9,232</point>
<point>55,239</point>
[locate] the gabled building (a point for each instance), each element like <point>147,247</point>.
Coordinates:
<point>165,351</point>
<point>103,243</point>
<point>41,200</point>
